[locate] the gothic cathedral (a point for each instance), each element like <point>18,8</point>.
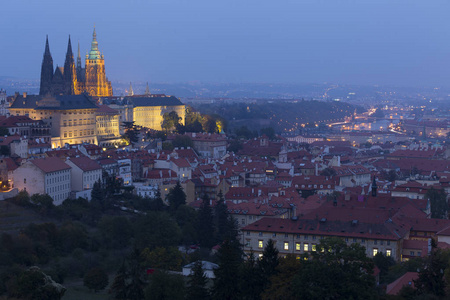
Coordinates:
<point>74,80</point>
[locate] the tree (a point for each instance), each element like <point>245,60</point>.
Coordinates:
<point>392,175</point>
<point>131,132</point>
<point>165,286</point>
<point>336,271</point>
<point>43,201</point>
<point>170,120</point>
<point>438,203</point>
<point>98,197</point>
<point>269,262</point>
<point>226,283</point>
<point>183,141</point>
<point>196,289</point>
<point>4,131</point>
<point>33,284</point>
<point>119,285</point>
<point>96,279</point>
<point>116,231</point>
<point>221,216</point>
<point>205,225</point>
<point>383,263</point>
<point>234,146</point>
<point>431,280</point>
<point>280,284</point>
<point>135,287</point>
<point>329,172</point>
<point>269,132</point>
<point>176,197</point>
<point>156,229</point>
<point>251,281</point>
<point>244,132</point>
<point>162,258</point>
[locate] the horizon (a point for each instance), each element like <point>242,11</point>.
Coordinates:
<point>345,43</point>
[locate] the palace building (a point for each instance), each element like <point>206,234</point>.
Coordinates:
<point>75,80</point>
<point>72,118</point>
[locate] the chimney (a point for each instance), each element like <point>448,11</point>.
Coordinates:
<point>24,94</point>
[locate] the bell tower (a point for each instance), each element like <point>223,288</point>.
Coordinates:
<point>96,82</point>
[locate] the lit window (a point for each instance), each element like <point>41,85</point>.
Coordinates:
<point>306,247</point>
<point>314,247</point>
<point>297,246</point>
<point>375,251</point>
<point>260,244</point>
<point>286,245</point>
<point>388,252</point>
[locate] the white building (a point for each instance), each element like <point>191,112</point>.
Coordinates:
<point>44,176</point>
<point>125,171</point>
<point>146,191</point>
<point>85,172</point>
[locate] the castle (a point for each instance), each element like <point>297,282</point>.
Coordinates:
<point>75,80</point>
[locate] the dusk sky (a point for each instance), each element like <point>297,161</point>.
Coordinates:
<point>383,42</point>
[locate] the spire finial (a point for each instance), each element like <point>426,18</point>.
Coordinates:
<point>94,53</point>
<point>130,91</point>
<point>47,47</point>
<point>147,90</point>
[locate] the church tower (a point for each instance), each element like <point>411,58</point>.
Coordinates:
<point>70,74</point>
<point>96,82</point>
<point>46,71</point>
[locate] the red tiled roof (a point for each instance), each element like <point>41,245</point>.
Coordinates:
<point>85,163</point>
<point>50,164</point>
<point>407,279</point>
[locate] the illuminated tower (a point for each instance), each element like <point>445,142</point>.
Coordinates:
<point>46,71</point>
<point>96,82</point>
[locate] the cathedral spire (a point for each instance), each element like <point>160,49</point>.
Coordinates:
<point>147,90</point>
<point>130,91</point>
<point>69,48</point>
<point>94,53</point>
<point>70,77</point>
<point>79,57</point>
<point>46,71</point>
<point>47,47</point>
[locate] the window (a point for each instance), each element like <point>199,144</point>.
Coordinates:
<point>306,237</point>
<point>388,243</point>
<point>260,233</point>
<point>346,240</point>
<point>260,244</point>
<point>388,252</point>
<point>314,247</point>
<point>381,242</point>
<point>314,237</point>
<point>286,245</point>
<point>274,234</point>
<point>363,241</point>
<point>286,235</point>
<point>248,232</point>
<point>298,236</point>
<point>297,246</point>
<point>411,253</point>
<point>354,240</point>
<point>375,242</point>
<point>24,180</point>
<point>306,247</point>
<point>375,251</point>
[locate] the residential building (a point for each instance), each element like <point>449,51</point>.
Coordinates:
<point>49,176</point>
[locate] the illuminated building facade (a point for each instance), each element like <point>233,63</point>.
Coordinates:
<point>72,118</point>
<point>74,80</point>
